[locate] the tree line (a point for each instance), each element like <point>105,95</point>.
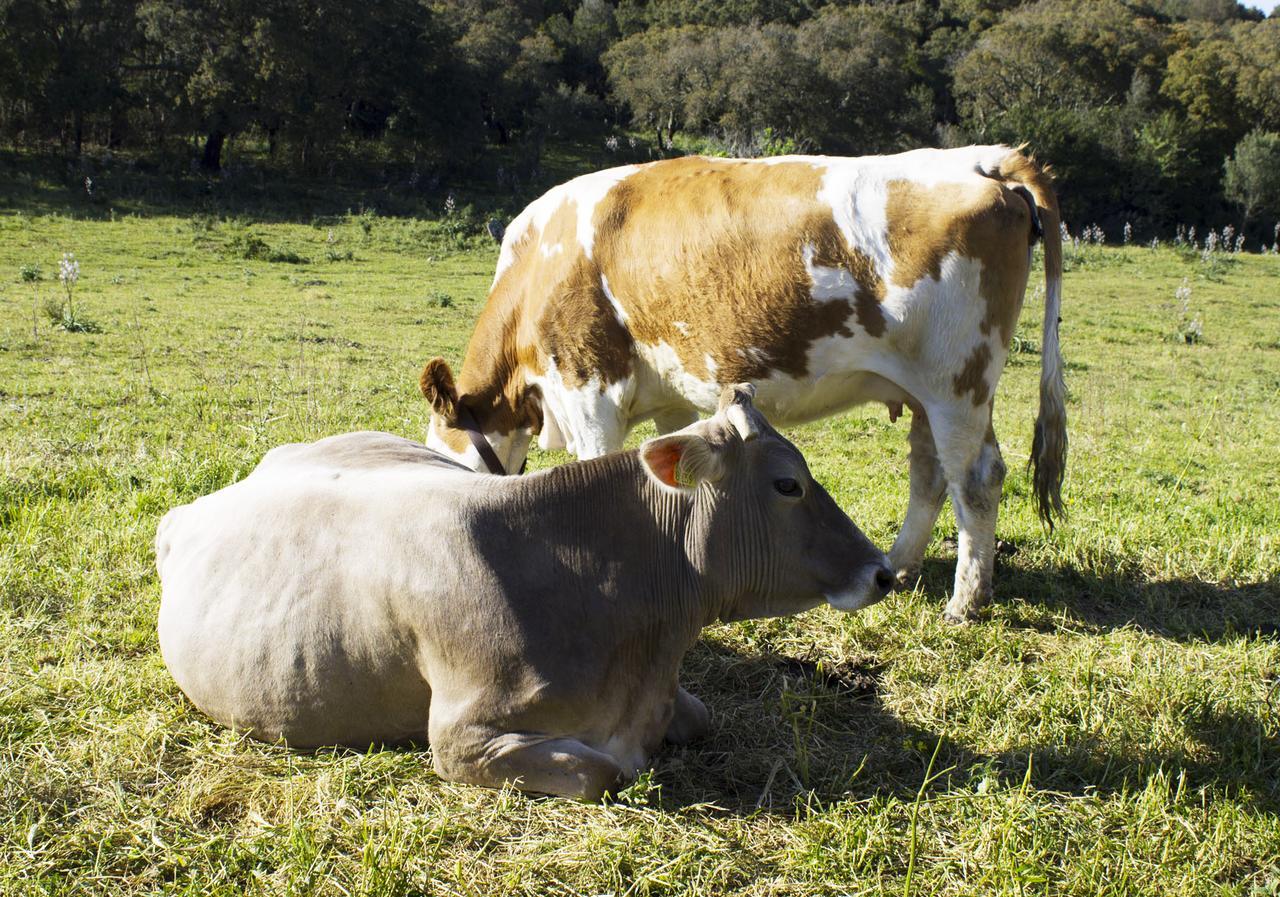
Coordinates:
<point>1153,112</point>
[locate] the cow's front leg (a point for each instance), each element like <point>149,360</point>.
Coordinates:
<point>690,721</point>
<point>564,767</point>
<point>975,474</point>
<point>596,418</point>
<point>928,489</point>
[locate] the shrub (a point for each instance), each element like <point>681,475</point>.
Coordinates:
<point>245,244</point>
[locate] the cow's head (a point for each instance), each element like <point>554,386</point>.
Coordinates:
<point>761,525</point>
<point>462,425</point>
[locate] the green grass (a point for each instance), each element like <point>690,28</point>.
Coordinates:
<point>1113,728</point>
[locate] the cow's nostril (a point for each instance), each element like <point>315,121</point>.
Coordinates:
<point>885,579</point>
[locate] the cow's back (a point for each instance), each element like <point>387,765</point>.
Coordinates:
<point>286,595</point>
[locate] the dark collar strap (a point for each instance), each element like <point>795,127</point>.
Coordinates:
<point>487,455</point>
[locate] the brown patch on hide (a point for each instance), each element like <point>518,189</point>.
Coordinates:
<point>720,245</point>
<point>973,376</point>
<point>984,221</point>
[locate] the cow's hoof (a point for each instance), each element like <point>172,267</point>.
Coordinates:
<point>690,721</point>
<point>906,580</point>
<point>958,611</point>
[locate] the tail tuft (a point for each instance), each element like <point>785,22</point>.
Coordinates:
<point>1048,460</point>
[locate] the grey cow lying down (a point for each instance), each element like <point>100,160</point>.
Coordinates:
<point>363,590</point>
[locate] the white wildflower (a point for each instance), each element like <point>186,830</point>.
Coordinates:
<point>68,269</point>
<point>1182,295</point>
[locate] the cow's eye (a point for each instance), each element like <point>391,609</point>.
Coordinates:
<point>787,486</point>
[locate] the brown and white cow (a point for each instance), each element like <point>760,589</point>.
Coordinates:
<point>364,589</point>
<point>638,292</point>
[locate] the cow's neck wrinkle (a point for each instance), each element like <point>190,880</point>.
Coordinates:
<point>655,537</point>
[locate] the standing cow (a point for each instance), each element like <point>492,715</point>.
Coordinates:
<point>638,292</point>
<point>363,589</point>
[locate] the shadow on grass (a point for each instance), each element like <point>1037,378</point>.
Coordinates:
<point>1186,610</point>
<point>790,734</point>
<point>786,731</point>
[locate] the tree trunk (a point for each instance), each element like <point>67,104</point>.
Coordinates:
<point>211,160</point>
<point>117,129</point>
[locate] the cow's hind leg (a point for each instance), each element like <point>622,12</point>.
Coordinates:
<point>672,419</point>
<point>564,767</point>
<point>975,471</point>
<point>928,489</point>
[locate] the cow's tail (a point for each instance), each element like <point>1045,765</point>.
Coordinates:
<point>1048,460</point>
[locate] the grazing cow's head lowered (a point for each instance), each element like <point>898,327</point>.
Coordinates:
<point>760,522</point>
<point>487,430</point>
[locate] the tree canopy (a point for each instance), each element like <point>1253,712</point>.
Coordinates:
<point>1139,104</point>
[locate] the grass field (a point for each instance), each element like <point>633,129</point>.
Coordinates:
<point>1112,728</point>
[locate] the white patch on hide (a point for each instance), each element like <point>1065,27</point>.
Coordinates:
<point>613,300</point>
<point>469,458</point>
<point>589,420</point>
<point>828,283</point>
<point>586,191</point>
<point>662,359</point>
<point>857,189</point>
<point>755,355</point>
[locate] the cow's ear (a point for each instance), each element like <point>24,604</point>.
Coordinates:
<point>681,461</point>
<point>436,384</point>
